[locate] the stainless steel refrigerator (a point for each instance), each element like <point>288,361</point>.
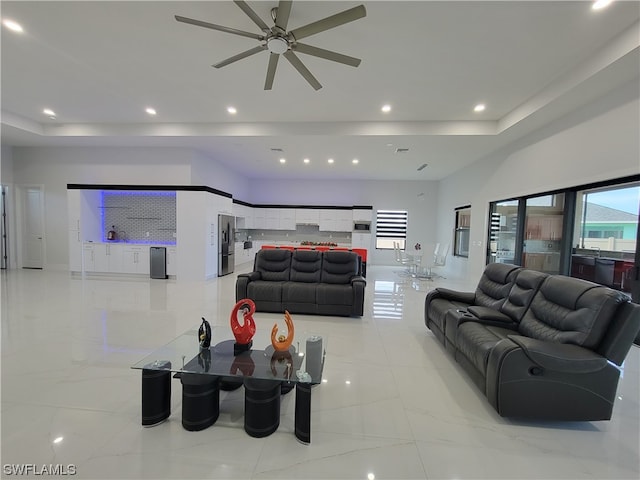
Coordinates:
<point>226,231</point>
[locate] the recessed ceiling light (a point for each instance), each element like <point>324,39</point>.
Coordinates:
<point>479,107</point>
<point>354,161</point>
<point>49,112</point>
<point>389,144</point>
<point>11,25</point>
<point>283,160</point>
<point>150,111</point>
<point>306,160</point>
<point>330,160</point>
<point>386,108</point>
<point>600,4</point>
<point>232,110</point>
<point>58,439</point>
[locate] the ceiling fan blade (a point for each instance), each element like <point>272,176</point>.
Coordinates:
<point>271,71</point>
<point>326,54</point>
<point>330,22</point>
<point>304,71</point>
<point>240,56</point>
<point>282,17</point>
<point>200,23</point>
<point>252,15</point>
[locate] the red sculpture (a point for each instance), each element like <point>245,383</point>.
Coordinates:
<point>243,333</point>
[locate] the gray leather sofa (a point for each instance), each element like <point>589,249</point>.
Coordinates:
<point>539,346</point>
<point>304,281</point>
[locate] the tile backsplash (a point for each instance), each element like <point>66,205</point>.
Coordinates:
<point>139,216</point>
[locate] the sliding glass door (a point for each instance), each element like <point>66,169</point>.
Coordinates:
<point>605,235</point>
<point>543,238</point>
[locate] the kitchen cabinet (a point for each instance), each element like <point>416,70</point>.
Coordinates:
<point>135,259</point>
<point>259,218</point>
<point>172,259</point>
<point>361,240</point>
<point>307,216</point>
<point>583,267</point>
<point>107,257</point>
<point>543,227</point>
<point>287,219</point>
<point>336,220</point>
<point>362,215</point>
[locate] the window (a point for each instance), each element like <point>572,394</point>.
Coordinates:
<point>461,240</point>
<point>391,226</point>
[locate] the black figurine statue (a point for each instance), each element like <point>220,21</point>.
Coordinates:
<point>204,334</point>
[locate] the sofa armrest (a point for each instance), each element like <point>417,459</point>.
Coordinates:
<point>464,297</point>
<point>560,357</point>
<point>242,283</point>
<point>358,278</point>
<point>488,313</point>
<point>358,284</point>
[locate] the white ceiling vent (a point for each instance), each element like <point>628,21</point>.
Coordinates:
<point>422,167</point>
<point>402,150</point>
<point>277,150</point>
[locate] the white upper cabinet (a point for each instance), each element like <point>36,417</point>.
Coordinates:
<point>362,215</point>
<point>287,219</point>
<point>307,216</point>
<point>336,220</point>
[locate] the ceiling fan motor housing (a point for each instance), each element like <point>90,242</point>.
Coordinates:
<point>277,44</point>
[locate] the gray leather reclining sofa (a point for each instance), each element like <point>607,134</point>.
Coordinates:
<point>539,346</point>
<point>304,281</point>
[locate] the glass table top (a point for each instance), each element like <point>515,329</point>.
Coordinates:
<point>302,363</point>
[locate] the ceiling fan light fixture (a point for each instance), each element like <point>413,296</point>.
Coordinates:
<point>278,45</point>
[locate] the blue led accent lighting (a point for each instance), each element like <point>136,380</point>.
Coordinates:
<point>141,217</point>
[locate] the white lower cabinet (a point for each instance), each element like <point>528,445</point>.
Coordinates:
<point>172,254</point>
<point>135,259</point>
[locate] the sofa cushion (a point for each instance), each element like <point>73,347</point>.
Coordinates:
<point>526,285</point>
<point>298,292</point>
<point>569,310</point>
<point>334,294</point>
<point>495,284</point>
<point>339,267</point>
<point>306,266</point>
<point>475,342</point>
<point>266,294</point>
<point>273,264</point>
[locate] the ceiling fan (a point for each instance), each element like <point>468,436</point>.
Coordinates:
<point>278,41</point>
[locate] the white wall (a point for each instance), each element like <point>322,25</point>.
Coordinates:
<point>209,172</point>
<point>599,142</point>
<point>54,168</point>
<point>385,195</point>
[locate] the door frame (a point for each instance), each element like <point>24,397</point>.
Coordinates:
<point>21,212</point>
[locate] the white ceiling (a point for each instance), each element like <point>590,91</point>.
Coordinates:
<point>98,65</point>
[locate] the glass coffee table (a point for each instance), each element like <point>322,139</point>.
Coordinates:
<point>264,372</point>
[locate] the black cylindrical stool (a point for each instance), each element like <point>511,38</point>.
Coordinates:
<point>156,396</point>
<point>200,401</point>
<point>261,407</point>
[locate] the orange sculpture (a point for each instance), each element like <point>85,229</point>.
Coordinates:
<point>282,342</point>
<point>243,333</point>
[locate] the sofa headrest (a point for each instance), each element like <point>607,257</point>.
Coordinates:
<point>495,284</point>
<point>273,264</point>
<point>570,310</point>
<point>306,266</point>
<point>339,267</point>
<point>522,292</point>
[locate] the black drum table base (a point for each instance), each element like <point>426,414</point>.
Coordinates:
<point>261,407</point>
<point>156,396</point>
<point>200,401</point>
<point>303,412</point>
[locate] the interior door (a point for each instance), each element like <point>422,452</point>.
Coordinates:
<point>33,256</point>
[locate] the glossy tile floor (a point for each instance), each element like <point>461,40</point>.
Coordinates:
<point>394,404</point>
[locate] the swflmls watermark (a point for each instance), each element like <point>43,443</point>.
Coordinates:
<point>49,469</point>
